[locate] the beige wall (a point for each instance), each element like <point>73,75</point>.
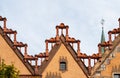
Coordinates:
<point>9,56</point>
<point>73,70</point>
<point>114,66</point>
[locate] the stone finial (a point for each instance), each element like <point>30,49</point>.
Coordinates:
<point>62,25</point>
<point>25,52</point>
<point>3,19</point>
<point>119,22</point>
<point>0,17</point>
<point>119,19</point>
<point>15,40</point>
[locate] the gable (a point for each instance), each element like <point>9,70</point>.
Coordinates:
<point>73,69</point>
<point>7,53</point>
<point>112,63</point>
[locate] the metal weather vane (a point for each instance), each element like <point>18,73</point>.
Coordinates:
<point>102,22</point>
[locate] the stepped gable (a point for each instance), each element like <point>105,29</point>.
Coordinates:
<point>16,46</point>
<point>109,46</point>
<point>55,46</point>
<point>69,43</point>
<point>57,40</point>
<point>54,50</point>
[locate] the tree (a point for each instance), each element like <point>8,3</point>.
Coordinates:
<point>8,71</point>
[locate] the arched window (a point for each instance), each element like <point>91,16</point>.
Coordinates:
<point>62,65</point>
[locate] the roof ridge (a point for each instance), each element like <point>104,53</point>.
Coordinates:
<point>51,54</point>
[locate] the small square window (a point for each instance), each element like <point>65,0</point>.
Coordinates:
<point>102,67</point>
<point>118,49</point>
<point>98,73</point>
<point>112,55</point>
<point>62,65</point>
<point>116,75</point>
<point>108,61</point>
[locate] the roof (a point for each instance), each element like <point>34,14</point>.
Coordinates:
<point>106,54</point>
<point>16,51</point>
<point>72,52</point>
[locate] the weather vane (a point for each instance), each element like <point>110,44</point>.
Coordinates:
<point>102,22</point>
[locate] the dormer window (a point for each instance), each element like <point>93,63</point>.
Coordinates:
<point>62,66</point>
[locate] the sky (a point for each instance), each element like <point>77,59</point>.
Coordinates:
<point>35,20</point>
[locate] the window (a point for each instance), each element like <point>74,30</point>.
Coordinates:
<point>118,49</point>
<point>62,65</point>
<point>102,67</point>
<point>108,61</point>
<point>98,73</point>
<point>113,55</point>
<point>116,75</point>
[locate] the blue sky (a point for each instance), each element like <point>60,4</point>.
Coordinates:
<point>35,20</point>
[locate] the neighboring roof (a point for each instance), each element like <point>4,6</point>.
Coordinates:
<point>72,52</point>
<point>16,51</point>
<point>106,54</point>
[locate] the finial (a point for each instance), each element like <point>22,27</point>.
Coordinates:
<point>119,22</point>
<point>62,25</point>
<point>0,17</point>
<point>102,23</point>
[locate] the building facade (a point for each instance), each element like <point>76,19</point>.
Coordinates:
<point>63,59</point>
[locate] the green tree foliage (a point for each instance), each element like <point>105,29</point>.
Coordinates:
<point>8,71</point>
